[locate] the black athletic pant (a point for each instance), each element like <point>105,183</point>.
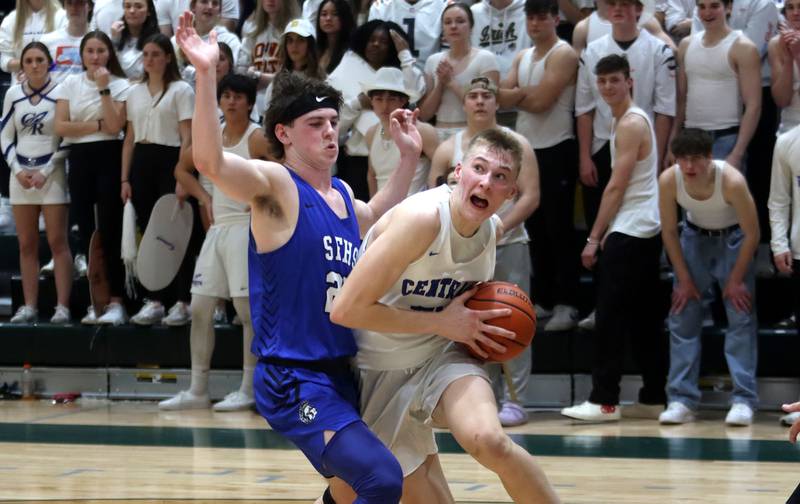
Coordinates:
<point>593,195</point>
<point>628,311</point>
<point>151,176</point>
<point>552,229</point>
<point>94,178</point>
<point>759,159</point>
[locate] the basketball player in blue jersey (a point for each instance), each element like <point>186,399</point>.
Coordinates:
<point>406,296</point>
<point>305,236</point>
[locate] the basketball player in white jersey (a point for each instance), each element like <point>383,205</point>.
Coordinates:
<point>543,88</point>
<point>718,73</point>
<point>421,19</point>
<point>407,297</point>
<point>598,24</point>
<point>221,270</point>
<point>716,245</point>
<point>625,246</point>
<point>513,254</point>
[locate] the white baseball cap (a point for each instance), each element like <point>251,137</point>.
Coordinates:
<point>300,26</point>
<point>389,79</point>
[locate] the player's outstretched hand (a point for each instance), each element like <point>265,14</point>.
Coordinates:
<point>795,428</point>
<point>202,55</point>
<point>403,128</point>
<point>461,324</point>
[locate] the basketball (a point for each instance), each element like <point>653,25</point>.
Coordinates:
<point>522,321</point>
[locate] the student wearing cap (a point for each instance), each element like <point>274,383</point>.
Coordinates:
<point>387,93</point>
<point>297,53</point>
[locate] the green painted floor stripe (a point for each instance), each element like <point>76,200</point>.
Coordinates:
<point>562,446</point>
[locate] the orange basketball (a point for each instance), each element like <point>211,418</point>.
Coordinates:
<point>522,321</point>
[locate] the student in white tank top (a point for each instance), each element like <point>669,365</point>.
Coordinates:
<point>388,92</point>
<point>406,298</point>
<point>717,245</point>
<point>718,74</point>
<point>785,67</point>
<point>543,89</point>
<point>221,269</point>
<point>625,246</point>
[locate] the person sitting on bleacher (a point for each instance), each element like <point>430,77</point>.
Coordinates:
<point>716,246</point>
<point>38,182</point>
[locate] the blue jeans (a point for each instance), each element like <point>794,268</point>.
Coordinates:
<point>722,147</point>
<point>711,259</point>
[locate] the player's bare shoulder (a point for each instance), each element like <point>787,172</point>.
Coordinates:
<point>279,194</point>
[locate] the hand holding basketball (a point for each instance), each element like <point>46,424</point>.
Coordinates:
<point>468,326</point>
<point>520,319</point>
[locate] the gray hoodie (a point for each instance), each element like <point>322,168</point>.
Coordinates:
<point>501,32</point>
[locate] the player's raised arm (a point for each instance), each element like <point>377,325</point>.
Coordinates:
<point>403,128</point>
<point>240,179</point>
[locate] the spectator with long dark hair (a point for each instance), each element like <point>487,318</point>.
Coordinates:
<point>138,23</point>
<point>206,17</point>
<point>159,112</point>
<point>374,44</point>
<point>38,182</point>
<point>335,25</point>
<point>90,115</point>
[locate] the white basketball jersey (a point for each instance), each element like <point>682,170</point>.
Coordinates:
<point>427,284</point>
<point>227,210</point>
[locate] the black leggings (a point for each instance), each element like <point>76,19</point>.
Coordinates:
<point>152,176</point>
<point>94,178</point>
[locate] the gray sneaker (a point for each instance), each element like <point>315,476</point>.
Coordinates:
<point>178,315</point>
<point>564,318</point>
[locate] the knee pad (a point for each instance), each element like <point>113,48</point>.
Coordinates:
<point>359,458</point>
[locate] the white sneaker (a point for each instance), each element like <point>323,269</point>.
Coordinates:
<point>80,265</point>
<point>178,315</point>
<point>151,313</point>
<point>542,312</point>
<point>235,401</point>
<point>593,412</point>
<point>61,315</point>
<point>185,400</point>
<point>25,315</point>
<point>676,413</point>
<point>790,418</point>
<point>114,314</point>
<point>740,415</point>
<point>90,318</point>
<point>220,316</point>
<point>588,324</point>
<point>48,268</point>
<point>6,216</point>
<point>564,318</point>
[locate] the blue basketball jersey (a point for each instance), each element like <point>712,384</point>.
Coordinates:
<point>292,288</point>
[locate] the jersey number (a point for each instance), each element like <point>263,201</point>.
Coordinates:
<point>335,282</point>
<point>410,22</point>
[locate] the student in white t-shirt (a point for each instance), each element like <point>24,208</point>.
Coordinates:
<point>64,43</point>
<point>90,115</point>
<point>448,72</point>
<point>206,19</point>
<point>169,13</point>
<point>138,23</point>
<point>25,24</point>
<point>261,36</point>
<point>159,112</point>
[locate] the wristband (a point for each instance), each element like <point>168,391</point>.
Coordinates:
<point>104,92</point>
